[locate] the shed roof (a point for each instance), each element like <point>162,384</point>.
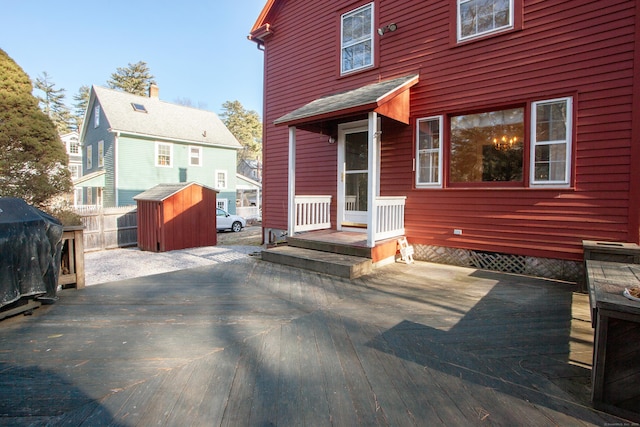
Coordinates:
<point>388,97</point>
<point>162,119</point>
<point>163,191</point>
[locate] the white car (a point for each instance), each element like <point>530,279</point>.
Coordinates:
<point>226,221</point>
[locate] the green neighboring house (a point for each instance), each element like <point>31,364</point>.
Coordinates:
<point>132,143</point>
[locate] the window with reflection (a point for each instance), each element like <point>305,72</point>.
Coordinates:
<point>487,147</point>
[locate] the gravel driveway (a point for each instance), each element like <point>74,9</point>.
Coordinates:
<point>126,263</point>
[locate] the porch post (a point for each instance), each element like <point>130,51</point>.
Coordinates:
<point>292,182</point>
<point>373,179</point>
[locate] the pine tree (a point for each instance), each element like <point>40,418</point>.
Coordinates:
<point>246,127</point>
<point>52,103</point>
<point>81,102</point>
<point>32,158</point>
<point>135,78</point>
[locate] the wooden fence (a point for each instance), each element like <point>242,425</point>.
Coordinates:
<point>109,228</point>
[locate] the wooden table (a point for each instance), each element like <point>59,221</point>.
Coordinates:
<point>616,356</point>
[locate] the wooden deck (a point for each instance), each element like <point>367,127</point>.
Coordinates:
<point>259,344</point>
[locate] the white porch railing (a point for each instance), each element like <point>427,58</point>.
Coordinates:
<point>389,217</point>
<point>312,213</point>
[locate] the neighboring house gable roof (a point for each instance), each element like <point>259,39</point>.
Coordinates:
<point>163,191</point>
<point>161,119</point>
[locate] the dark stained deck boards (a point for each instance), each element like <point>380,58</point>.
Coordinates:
<point>257,344</point>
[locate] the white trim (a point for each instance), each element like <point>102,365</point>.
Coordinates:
<point>373,188</point>
<point>507,27</point>
<point>157,154</point>
<point>568,141</point>
<point>438,183</point>
<point>226,179</point>
<point>291,182</point>
<point>200,160</point>
<point>101,153</point>
<point>371,38</point>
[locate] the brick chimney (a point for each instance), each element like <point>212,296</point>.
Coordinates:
<point>154,91</point>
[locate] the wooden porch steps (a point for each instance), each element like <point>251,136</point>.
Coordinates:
<point>338,253</point>
<point>335,264</point>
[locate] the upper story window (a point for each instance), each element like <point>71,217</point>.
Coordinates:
<point>74,146</point>
<point>96,116</point>
<point>164,154</point>
<point>195,156</point>
<point>221,180</point>
<point>479,17</point>
<point>488,149</point>
<point>89,152</point>
<point>76,171</point>
<point>356,39</point>
<point>100,154</point>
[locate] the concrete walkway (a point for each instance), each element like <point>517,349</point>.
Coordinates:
<point>252,343</point>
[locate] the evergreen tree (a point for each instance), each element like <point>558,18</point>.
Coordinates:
<point>135,78</point>
<point>246,127</point>
<point>32,158</point>
<point>52,103</point>
<point>81,103</point>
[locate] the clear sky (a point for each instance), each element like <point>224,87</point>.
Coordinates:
<point>197,50</point>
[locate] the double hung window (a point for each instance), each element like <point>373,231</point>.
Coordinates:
<point>164,154</point>
<point>479,17</point>
<point>195,156</point>
<point>356,37</point>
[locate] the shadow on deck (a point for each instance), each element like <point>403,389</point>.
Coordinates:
<point>256,343</point>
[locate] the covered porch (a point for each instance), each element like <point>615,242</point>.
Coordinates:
<point>352,121</point>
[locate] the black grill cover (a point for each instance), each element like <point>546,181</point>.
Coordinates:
<point>30,251</point>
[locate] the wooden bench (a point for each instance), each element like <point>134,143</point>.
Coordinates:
<point>616,319</point>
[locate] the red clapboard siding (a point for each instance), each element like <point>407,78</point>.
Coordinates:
<point>583,49</point>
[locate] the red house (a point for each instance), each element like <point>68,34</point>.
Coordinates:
<point>491,133</point>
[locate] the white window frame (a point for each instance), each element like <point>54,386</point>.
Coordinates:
<point>429,152</point>
<point>226,181</point>
<point>371,39</point>
<point>89,157</point>
<point>157,154</point>
<point>222,204</point>
<point>566,181</point>
<point>100,154</point>
<point>199,156</point>
<point>96,116</point>
<point>507,27</point>
<point>76,170</point>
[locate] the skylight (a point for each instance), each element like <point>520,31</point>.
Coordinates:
<point>139,107</point>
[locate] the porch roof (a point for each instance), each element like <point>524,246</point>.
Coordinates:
<point>94,179</point>
<point>389,98</point>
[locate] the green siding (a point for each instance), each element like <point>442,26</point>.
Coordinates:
<point>137,170</point>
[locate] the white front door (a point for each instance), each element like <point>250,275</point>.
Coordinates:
<point>353,185</point>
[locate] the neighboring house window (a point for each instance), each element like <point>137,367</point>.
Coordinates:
<point>77,197</point>
<point>551,141</point>
<point>221,179</point>
<point>195,156</point>
<point>96,116</point>
<point>222,204</point>
<point>100,154</point>
<point>487,147</point>
<point>479,17</point>
<point>74,146</point>
<point>89,196</point>
<point>163,154</point>
<point>356,49</point>
<point>75,171</point>
<point>89,157</point>
<point>429,152</point>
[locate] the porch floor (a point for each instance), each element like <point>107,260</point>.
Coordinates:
<point>348,238</point>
